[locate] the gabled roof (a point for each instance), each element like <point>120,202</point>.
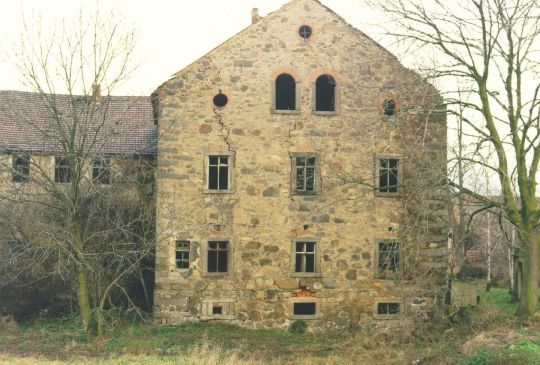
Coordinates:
<point>124,122</point>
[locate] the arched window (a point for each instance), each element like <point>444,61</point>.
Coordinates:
<point>325,94</point>
<point>285,92</point>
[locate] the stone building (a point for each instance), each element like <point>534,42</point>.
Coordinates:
<point>299,177</point>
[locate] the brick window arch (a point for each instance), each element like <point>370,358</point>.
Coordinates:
<point>285,89</point>
<point>325,93</point>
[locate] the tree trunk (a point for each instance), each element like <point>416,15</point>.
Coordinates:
<point>528,301</point>
<point>84,297</point>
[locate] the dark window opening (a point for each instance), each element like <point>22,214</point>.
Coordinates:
<point>20,168</point>
<point>62,173</point>
<point>305,31</point>
<point>182,254</point>
<point>285,92</point>
<point>304,309</point>
<point>305,257</point>
<point>217,309</point>
<point>389,106</point>
<point>101,172</point>
<point>218,256</point>
<point>325,94</point>
<point>388,175</point>
<point>388,308</point>
<point>388,256</point>
<point>305,174</point>
<point>220,100</point>
<point>218,172</point>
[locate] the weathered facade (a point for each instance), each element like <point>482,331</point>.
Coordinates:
<point>298,175</point>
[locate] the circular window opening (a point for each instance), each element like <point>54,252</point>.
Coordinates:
<point>305,31</point>
<point>389,106</point>
<point>220,100</point>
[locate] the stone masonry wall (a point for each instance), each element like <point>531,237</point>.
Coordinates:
<point>261,217</point>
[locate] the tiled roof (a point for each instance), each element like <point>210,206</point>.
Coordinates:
<point>122,125</point>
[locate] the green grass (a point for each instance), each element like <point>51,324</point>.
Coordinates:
<point>498,298</point>
<point>521,353</point>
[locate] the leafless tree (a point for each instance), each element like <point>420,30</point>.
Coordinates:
<point>491,47</point>
<point>94,233</point>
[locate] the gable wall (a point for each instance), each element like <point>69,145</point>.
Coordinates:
<point>261,217</point>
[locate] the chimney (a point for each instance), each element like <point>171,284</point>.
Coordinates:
<point>96,93</point>
<point>255,15</point>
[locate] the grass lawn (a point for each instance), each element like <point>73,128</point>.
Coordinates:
<point>62,342</point>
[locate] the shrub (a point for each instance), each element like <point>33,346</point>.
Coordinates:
<point>298,326</point>
<point>471,271</point>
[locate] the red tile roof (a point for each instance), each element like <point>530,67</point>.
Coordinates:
<point>122,125</point>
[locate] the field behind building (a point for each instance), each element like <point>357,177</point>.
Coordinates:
<point>487,334</point>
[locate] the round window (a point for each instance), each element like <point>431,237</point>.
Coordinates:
<point>220,100</point>
<point>305,31</point>
<point>389,106</point>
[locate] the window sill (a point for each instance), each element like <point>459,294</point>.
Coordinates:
<point>387,316</point>
<point>306,275</point>
<point>379,194</point>
<point>218,316</point>
<point>304,193</point>
<point>285,112</point>
<point>310,316</point>
<point>217,274</point>
<point>324,113</point>
<point>208,191</point>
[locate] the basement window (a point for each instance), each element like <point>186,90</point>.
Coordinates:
<point>62,173</point>
<point>218,257</point>
<point>101,171</point>
<point>325,94</point>
<point>217,309</point>
<point>20,168</point>
<point>304,309</point>
<point>285,92</point>
<point>388,309</point>
<point>182,254</point>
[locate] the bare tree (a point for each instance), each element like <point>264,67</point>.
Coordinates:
<point>65,211</point>
<point>491,47</point>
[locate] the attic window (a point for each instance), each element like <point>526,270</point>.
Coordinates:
<point>220,100</point>
<point>305,31</point>
<point>389,106</point>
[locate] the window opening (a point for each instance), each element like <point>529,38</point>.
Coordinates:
<point>20,168</point>
<point>101,172</point>
<point>388,256</point>
<point>220,100</point>
<point>388,308</point>
<point>388,175</point>
<point>389,106</point>
<point>62,173</point>
<point>305,257</point>
<point>325,90</point>
<point>182,254</point>
<point>285,92</point>
<point>304,309</point>
<point>305,174</point>
<point>218,172</point>
<point>218,256</point>
<point>217,309</point>
<point>305,31</point>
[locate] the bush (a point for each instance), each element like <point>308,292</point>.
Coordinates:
<point>471,271</point>
<point>298,326</point>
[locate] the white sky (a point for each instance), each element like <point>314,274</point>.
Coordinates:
<point>171,33</point>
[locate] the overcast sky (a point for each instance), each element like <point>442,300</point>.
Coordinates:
<point>171,33</point>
